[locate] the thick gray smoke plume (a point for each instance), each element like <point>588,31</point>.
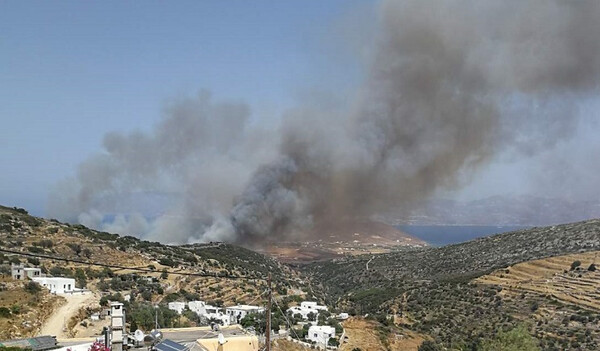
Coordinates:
<point>450,84</point>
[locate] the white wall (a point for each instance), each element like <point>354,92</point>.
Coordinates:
<point>320,334</point>
<point>56,285</point>
<point>177,306</point>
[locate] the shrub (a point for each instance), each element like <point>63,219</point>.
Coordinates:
<point>33,287</point>
<point>517,339</point>
<point>428,345</point>
<point>4,312</point>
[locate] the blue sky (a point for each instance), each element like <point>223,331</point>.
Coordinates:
<point>70,71</point>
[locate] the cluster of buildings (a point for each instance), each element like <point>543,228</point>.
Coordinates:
<point>306,308</point>
<point>226,316</point>
<point>56,285</point>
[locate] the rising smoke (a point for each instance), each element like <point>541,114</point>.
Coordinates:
<point>450,84</point>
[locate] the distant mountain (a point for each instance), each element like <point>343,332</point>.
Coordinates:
<point>495,210</point>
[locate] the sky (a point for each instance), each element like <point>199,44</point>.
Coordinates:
<point>72,71</point>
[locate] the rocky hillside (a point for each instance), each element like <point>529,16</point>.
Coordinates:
<point>145,273</point>
<point>472,258</point>
<point>433,291</point>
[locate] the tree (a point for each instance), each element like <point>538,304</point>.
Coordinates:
<point>164,274</point>
<point>592,268</point>
<point>80,278</point>
<point>429,345</point>
<point>575,264</point>
<point>33,287</point>
<point>517,339</point>
<point>33,260</point>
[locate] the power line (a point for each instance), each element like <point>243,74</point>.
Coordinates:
<point>286,319</point>
<point>137,269</point>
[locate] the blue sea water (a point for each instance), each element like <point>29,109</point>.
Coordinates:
<point>440,235</point>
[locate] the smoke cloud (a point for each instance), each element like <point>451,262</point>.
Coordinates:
<point>449,85</point>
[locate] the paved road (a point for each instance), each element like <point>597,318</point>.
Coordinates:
<point>185,335</point>
<point>180,335</point>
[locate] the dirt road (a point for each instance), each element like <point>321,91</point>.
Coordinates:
<point>56,324</point>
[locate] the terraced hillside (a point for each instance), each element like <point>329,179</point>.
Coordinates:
<point>553,277</point>
<point>435,292</point>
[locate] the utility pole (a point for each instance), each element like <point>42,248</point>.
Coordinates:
<point>268,331</point>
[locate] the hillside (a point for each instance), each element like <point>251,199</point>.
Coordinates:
<point>342,238</point>
<point>433,291</point>
<point>219,273</point>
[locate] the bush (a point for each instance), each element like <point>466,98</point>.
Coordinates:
<point>4,312</point>
<point>428,345</point>
<point>592,268</point>
<point>166,261</point>
<point>33,260</point>
<point>517,339</point>
<point>33,287</point>
<point>35,249</point>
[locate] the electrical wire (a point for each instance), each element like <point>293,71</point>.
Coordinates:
<point>136,269</point>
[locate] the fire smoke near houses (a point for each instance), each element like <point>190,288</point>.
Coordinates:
<point>449,85</point>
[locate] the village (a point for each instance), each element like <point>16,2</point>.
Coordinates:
<point>237,327</point>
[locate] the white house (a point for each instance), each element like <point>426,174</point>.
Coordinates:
<point>310,305</point>
<point>207,311</point>
<point>19,272</point>
<point>57,285</point>
<point>236,313</point>
<point>320,334</point>
<point>177,306</point>
<point>197,306</point>
<point>214,313</point>
<point>306,308</point>
<point>343,316</point>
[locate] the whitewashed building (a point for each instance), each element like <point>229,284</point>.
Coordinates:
<point>197,306</point>
<point>215,313</point>
<point>310,305</point>
<point>320,334</point>
<point>57,285</point>
<point>306,308</point>
<point>18,272</point>
<point>177,306</point>
<point>236,313</point>
<point>203,310</point>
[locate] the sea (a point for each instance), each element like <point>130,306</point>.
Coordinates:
<point>441,235</point>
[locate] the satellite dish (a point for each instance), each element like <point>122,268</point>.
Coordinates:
<point>221,339</point>
<point>138,335</point>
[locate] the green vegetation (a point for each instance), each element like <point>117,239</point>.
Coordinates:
<point>517,339</point>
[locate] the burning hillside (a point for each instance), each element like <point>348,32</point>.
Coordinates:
<point>337,239</point>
